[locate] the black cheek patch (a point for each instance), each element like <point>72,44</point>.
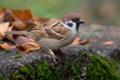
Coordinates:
<point>70,24</point>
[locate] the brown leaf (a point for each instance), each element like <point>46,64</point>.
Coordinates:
<point>5,46</point>
<point>23,15</point>
<point>8,16</point>
<point>3,29</point>
<point>109,43</point>
<point>19,25</point>
<point>1,16</point>
<point>84,42</point>
<point>26,44</point>
<point>77,41</point>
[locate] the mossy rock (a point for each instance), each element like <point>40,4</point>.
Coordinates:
<point>73,63</point>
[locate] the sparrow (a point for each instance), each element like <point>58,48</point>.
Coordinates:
<point>57,30</point>
<point>53,44</point>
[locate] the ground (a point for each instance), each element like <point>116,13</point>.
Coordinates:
<point>99,34</point>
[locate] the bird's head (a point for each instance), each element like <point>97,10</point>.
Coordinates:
<point>73,20</point>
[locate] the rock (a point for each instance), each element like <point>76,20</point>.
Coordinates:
<point>76,54</point>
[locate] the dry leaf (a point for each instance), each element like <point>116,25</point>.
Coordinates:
<point>8,16</point>
<point>19,25</point>
<point>5,46</point>
<point>29,46</point>
<point>109,43</point>
<point>3,29</point>
<point>76,41</point>
<point>1,16</point>
<point>26,44</point>
<point>23,15</point>
<point>84,42</point>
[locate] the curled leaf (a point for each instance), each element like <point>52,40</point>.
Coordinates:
<point>84,42</point>
<point>26,44</point>
<point>77,41</point>
<point>108,43</point>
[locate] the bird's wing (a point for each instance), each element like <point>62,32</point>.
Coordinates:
<point>53,34</point>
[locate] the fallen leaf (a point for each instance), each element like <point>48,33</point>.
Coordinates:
<point>3,29</point>
<point>2,13</point>
<point>5,46</point>
<point>19,25</point>
<point>1,16</point>
<point>8,16</point>
<point>23,15</point>
<point>26,44</point>
<point>84,42</point>
<point>76,41</point>
<point>29,46</point>
<point>108,43</point>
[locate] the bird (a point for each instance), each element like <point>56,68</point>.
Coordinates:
<point>72,25</point>
<point>53,44</point>
<point>59,31</point>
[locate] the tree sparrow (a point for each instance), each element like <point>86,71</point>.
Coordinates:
<point>52,43</point>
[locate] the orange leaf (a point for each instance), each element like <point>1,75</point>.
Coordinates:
<point>3,29</point>
<point>23,15</point>
<point>5,46</point>
<point>84,42</point>
<point>29,46</point>
<point>109,43</point>
<point>1,15</point>
<point>76,41</point>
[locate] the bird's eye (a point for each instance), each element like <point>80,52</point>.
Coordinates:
<point>70,24</point>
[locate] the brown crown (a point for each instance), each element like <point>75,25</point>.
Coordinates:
<point>71,16</point>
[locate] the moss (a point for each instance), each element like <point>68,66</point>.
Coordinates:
<point>44,71</point>
<point>102,68</point>
<point>99,68</point>
<point>2,78</point>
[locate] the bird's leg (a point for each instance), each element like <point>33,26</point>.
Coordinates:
<point>53,55</point>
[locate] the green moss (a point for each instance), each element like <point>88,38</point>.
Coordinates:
<point>2,78</point>
<point>44,71</point>
<point>102,68</point>
<point>99,68</point>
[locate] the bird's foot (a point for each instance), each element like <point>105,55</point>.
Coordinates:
<point>53,56</point>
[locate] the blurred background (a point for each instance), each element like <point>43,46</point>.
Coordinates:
<point>106,12</point>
